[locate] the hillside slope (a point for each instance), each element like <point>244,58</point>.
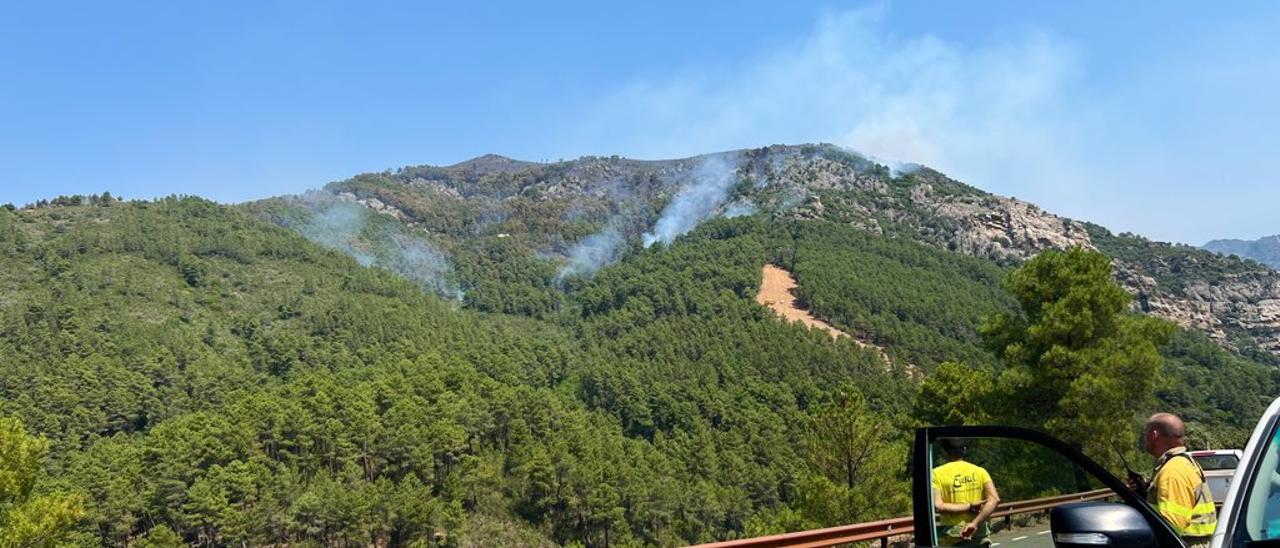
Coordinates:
<point>548,221</point>
<point>204,371</point>
<point>201,370</point>
<point>777,292</point>
<point>910,261</point>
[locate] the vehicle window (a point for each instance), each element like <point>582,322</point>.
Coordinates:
<point>1262,506</point>
<point>1217,462</point>
<point>1027,478</point>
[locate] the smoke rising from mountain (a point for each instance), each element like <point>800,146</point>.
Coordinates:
<point>421,262</point>
<point>713,178</point>
<point>592,253</point>
<point>337,225</point>
<point>740,208</point>
<point>897,169</point>
<point>997,115</point>
<point>701,196</point>
<point>349,227</point>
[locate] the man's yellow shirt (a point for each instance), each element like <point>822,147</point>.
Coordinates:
<point>959,482</point>
<point>1180,495</point>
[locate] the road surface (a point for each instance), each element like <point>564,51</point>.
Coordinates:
<point>1033,536</point>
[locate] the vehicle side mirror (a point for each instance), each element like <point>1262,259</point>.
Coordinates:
<point>1099,524</point>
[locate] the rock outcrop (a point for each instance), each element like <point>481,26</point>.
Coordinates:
<point>374,204</point>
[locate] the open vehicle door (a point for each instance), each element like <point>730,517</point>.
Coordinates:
<point>1026,465</point>
<point>1251,515</point>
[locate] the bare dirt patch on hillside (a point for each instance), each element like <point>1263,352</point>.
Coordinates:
<point>776,293</point>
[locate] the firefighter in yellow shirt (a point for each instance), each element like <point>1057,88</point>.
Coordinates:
<point>963,497</point>
<point>1177,489</point>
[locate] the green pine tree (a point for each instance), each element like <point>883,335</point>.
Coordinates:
<point>28,518</point>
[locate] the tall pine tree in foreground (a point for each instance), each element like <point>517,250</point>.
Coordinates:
<point>1075,362</point>
<point>28,518</point>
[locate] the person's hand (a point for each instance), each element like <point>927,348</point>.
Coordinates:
<point>1137,484</point>
<point>975,507</point>
<point>969,530</point>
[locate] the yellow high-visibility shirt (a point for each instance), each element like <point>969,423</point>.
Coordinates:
<point>960,482</point>
<point>1180,495</point>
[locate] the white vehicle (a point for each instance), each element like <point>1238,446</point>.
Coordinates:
<point>1251,514</point>
<point>1219,466</point>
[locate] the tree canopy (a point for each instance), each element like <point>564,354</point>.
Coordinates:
<point>201,376</point>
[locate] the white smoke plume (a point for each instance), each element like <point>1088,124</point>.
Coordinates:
<point>713,178</point>
<point>700,197</point>
<point>740,208</point>
<point>337,225</point>
<point>592,253</point>
<point>421,262</point>
<point>342,225</point>
<point>996,115</point>
<point>897,169</point>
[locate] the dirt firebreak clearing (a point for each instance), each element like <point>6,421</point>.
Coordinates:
<point>776,293</point>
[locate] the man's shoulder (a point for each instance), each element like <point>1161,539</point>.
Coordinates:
<point>1181,462</point>
<point>1180,467</point>
<point>947,468</point>
<point>960,466</point>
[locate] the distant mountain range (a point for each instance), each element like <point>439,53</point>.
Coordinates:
<point>1265,250</point>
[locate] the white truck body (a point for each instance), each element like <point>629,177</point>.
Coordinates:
<point>1219,466</point>
<point>1246,512</point>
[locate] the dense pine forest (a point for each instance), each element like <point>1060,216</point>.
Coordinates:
<point>202,374</point>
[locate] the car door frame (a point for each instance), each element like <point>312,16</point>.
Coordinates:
<point>1241,491</point>
<point>925,533</point>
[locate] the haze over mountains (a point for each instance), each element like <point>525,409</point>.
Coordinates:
<point>1265,250</point>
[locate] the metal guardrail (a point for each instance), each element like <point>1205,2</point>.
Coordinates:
<point>886,529</point>
<point>1036,505</point>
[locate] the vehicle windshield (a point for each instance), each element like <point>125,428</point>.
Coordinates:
<point>1217,462</point>
<point>1262,502</point>
<point>1025,479</point>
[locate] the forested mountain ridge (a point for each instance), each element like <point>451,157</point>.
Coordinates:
<point>569,217</point>
<point>204,376</point>
<point>488,360</point>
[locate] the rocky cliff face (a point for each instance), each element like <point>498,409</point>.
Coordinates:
<point>1243,303</point>
<point>551,207</point>
<point>1231,308</point>
<point>1235,302</point>
<point>973,223</point>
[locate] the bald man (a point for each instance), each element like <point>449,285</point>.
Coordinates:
<point>1177,489</point>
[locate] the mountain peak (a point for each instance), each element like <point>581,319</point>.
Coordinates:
<point>491,164</point>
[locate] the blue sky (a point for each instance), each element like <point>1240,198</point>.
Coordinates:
<point>1159,121</point>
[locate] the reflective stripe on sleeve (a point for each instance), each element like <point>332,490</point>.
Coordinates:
<point>1199,530</point>
<point>1174,509</point>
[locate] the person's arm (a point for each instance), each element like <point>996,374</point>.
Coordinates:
<point>947,507</point>
<point>944,507</point>
<point>988,507</point>
<point>1174,500</point>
